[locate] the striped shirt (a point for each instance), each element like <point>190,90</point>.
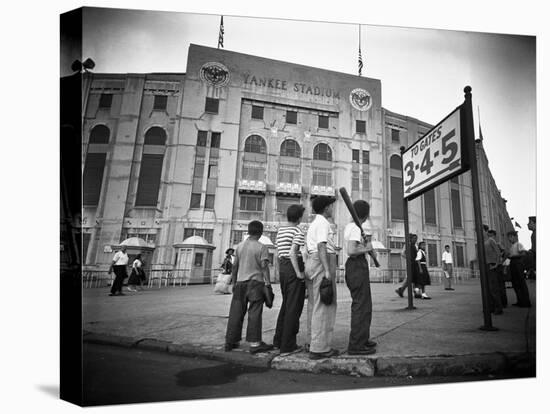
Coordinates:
<point>286,236</point>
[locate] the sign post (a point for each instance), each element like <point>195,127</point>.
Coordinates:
<point>446,151</point>
<point>408,259</point>
<point>468,124</point>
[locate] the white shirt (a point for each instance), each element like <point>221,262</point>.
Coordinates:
<point>320,231</point>
<point>352,233</point>
<point>447,257</point>
<point>120,259</point>
<point>137,263</point>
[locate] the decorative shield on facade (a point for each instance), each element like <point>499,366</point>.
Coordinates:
<point>215,74</point>
<point>360,99</point>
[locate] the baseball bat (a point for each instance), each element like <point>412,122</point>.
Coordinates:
<point>355,217</point>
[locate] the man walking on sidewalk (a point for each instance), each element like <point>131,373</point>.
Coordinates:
<point>447,260</point>
<point>321,263</point>
<point>412,263</point>
<point>250,273</point>
<point>119,264</point>
<point>358,282</point>
<point>492,257</point>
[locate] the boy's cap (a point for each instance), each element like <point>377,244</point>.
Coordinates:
<point>319,203</point>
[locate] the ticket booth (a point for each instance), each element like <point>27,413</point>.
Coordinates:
<point>194,260</point>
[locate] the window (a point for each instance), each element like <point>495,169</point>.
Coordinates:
<point>289,173</point>
<point>209,201</point>
<point>322,152</point>
<point>395,135</point>
<point>455,205</point>
<point>254,171</point>
<point>454,180</point>
<point>195,200</point>
<point>355,156</point>
<point>323,121</point>
<point>237,236</point>
<point>198,171</point>
<point>366,157</point>
<point>322,177</point>
<point>366,184</point>
<point>99,135</point>
<point>215,141</point>
<point>252,203</point>
<point>396,188</point>
<point>290,148</point>
<point>291,117</point>
<point>206,234</point>
<point>397,243</point>
<point>395,261</point>
<point>459,254</point>
<point>430,216</point>
<point>283,203</point>
<point>160,102</point>
<point>431,248</point>
<point>257,112</point>
<point>212,105</point>
<point>355,181</point>
<point>360,126</point>
<point>151,167</point>
<point>105,100</point>
<point>201,138</point>
<point>255,144</point>
<point>93,178</point>
<point>213,171</point>
<point>198,259</point>
<point>150,238</point>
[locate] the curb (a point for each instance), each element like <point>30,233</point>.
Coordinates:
<point>393,366</point>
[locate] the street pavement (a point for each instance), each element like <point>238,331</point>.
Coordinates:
<point>440,337</point>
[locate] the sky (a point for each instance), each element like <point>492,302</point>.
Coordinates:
<point>423,71</point>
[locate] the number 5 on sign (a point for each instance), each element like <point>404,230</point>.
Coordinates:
<point>434,157</point>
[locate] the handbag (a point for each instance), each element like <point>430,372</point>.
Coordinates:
<point>269,296</point>
<point>326,291</point>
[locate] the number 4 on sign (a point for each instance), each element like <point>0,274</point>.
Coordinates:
<point>427,163</point>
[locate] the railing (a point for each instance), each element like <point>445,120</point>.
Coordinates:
<point>378,275</point>
<point>96,278</point>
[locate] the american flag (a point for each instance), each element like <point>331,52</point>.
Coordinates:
<point>220,36</point>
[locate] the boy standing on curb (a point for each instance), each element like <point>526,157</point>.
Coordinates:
<point>358,282</point>
<point>250,273</point>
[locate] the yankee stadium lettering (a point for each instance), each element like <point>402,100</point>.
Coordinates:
<point>283,85</point>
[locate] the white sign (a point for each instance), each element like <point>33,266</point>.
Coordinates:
<point>434,157</point>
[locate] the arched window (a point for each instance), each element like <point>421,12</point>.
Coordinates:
<point>94,165</point>
<point>151,167</point>
<point>255,144</point>
<point>396,188</point>
<point>322,152</point>
<point>290,148</point>
<point>99,135</point>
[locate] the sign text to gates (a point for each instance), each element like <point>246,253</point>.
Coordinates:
<point>434,157</point>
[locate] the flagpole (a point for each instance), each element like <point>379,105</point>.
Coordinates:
<point>360,62</point>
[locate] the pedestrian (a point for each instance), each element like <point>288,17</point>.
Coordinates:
<point>224,278</point>
<point>358,283</point>
<point>412,263</point>
<point>447,260</point>
<point>320,264</point>
<point>532,254</point>
<point>422,277</point>
<point>492,258</point>
<point>118,266</point>
<point>290,239</point>
<point>516,254</point>
<point>136,275</point>
<point>250,275</point>
<point>500,269</point>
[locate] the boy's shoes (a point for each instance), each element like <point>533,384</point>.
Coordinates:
<point>263,347</point>
<point>364,351</point>
<point>229,347</point>
<point>424,296</point>
<point>321,355</point>
<point>399,292</point>
<point>371,344</point>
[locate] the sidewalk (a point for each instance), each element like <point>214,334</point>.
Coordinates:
<point>440,337</point>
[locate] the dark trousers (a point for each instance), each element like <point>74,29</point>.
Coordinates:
<point>293,291</point>
<point>120,275</point>
<point>495,298</point>
<point>358,282</point>
<point>518,282</point>
<point>249,294</point>
<point>502,287</point>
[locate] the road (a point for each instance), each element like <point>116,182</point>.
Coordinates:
<point>116,375</point>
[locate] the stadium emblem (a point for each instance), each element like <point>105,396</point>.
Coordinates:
<point>360,99</point>
<point>215,74</point>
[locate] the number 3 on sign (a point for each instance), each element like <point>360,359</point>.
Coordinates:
<point>409,168</point>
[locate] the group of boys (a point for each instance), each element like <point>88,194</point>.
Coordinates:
<point>250,275</point>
